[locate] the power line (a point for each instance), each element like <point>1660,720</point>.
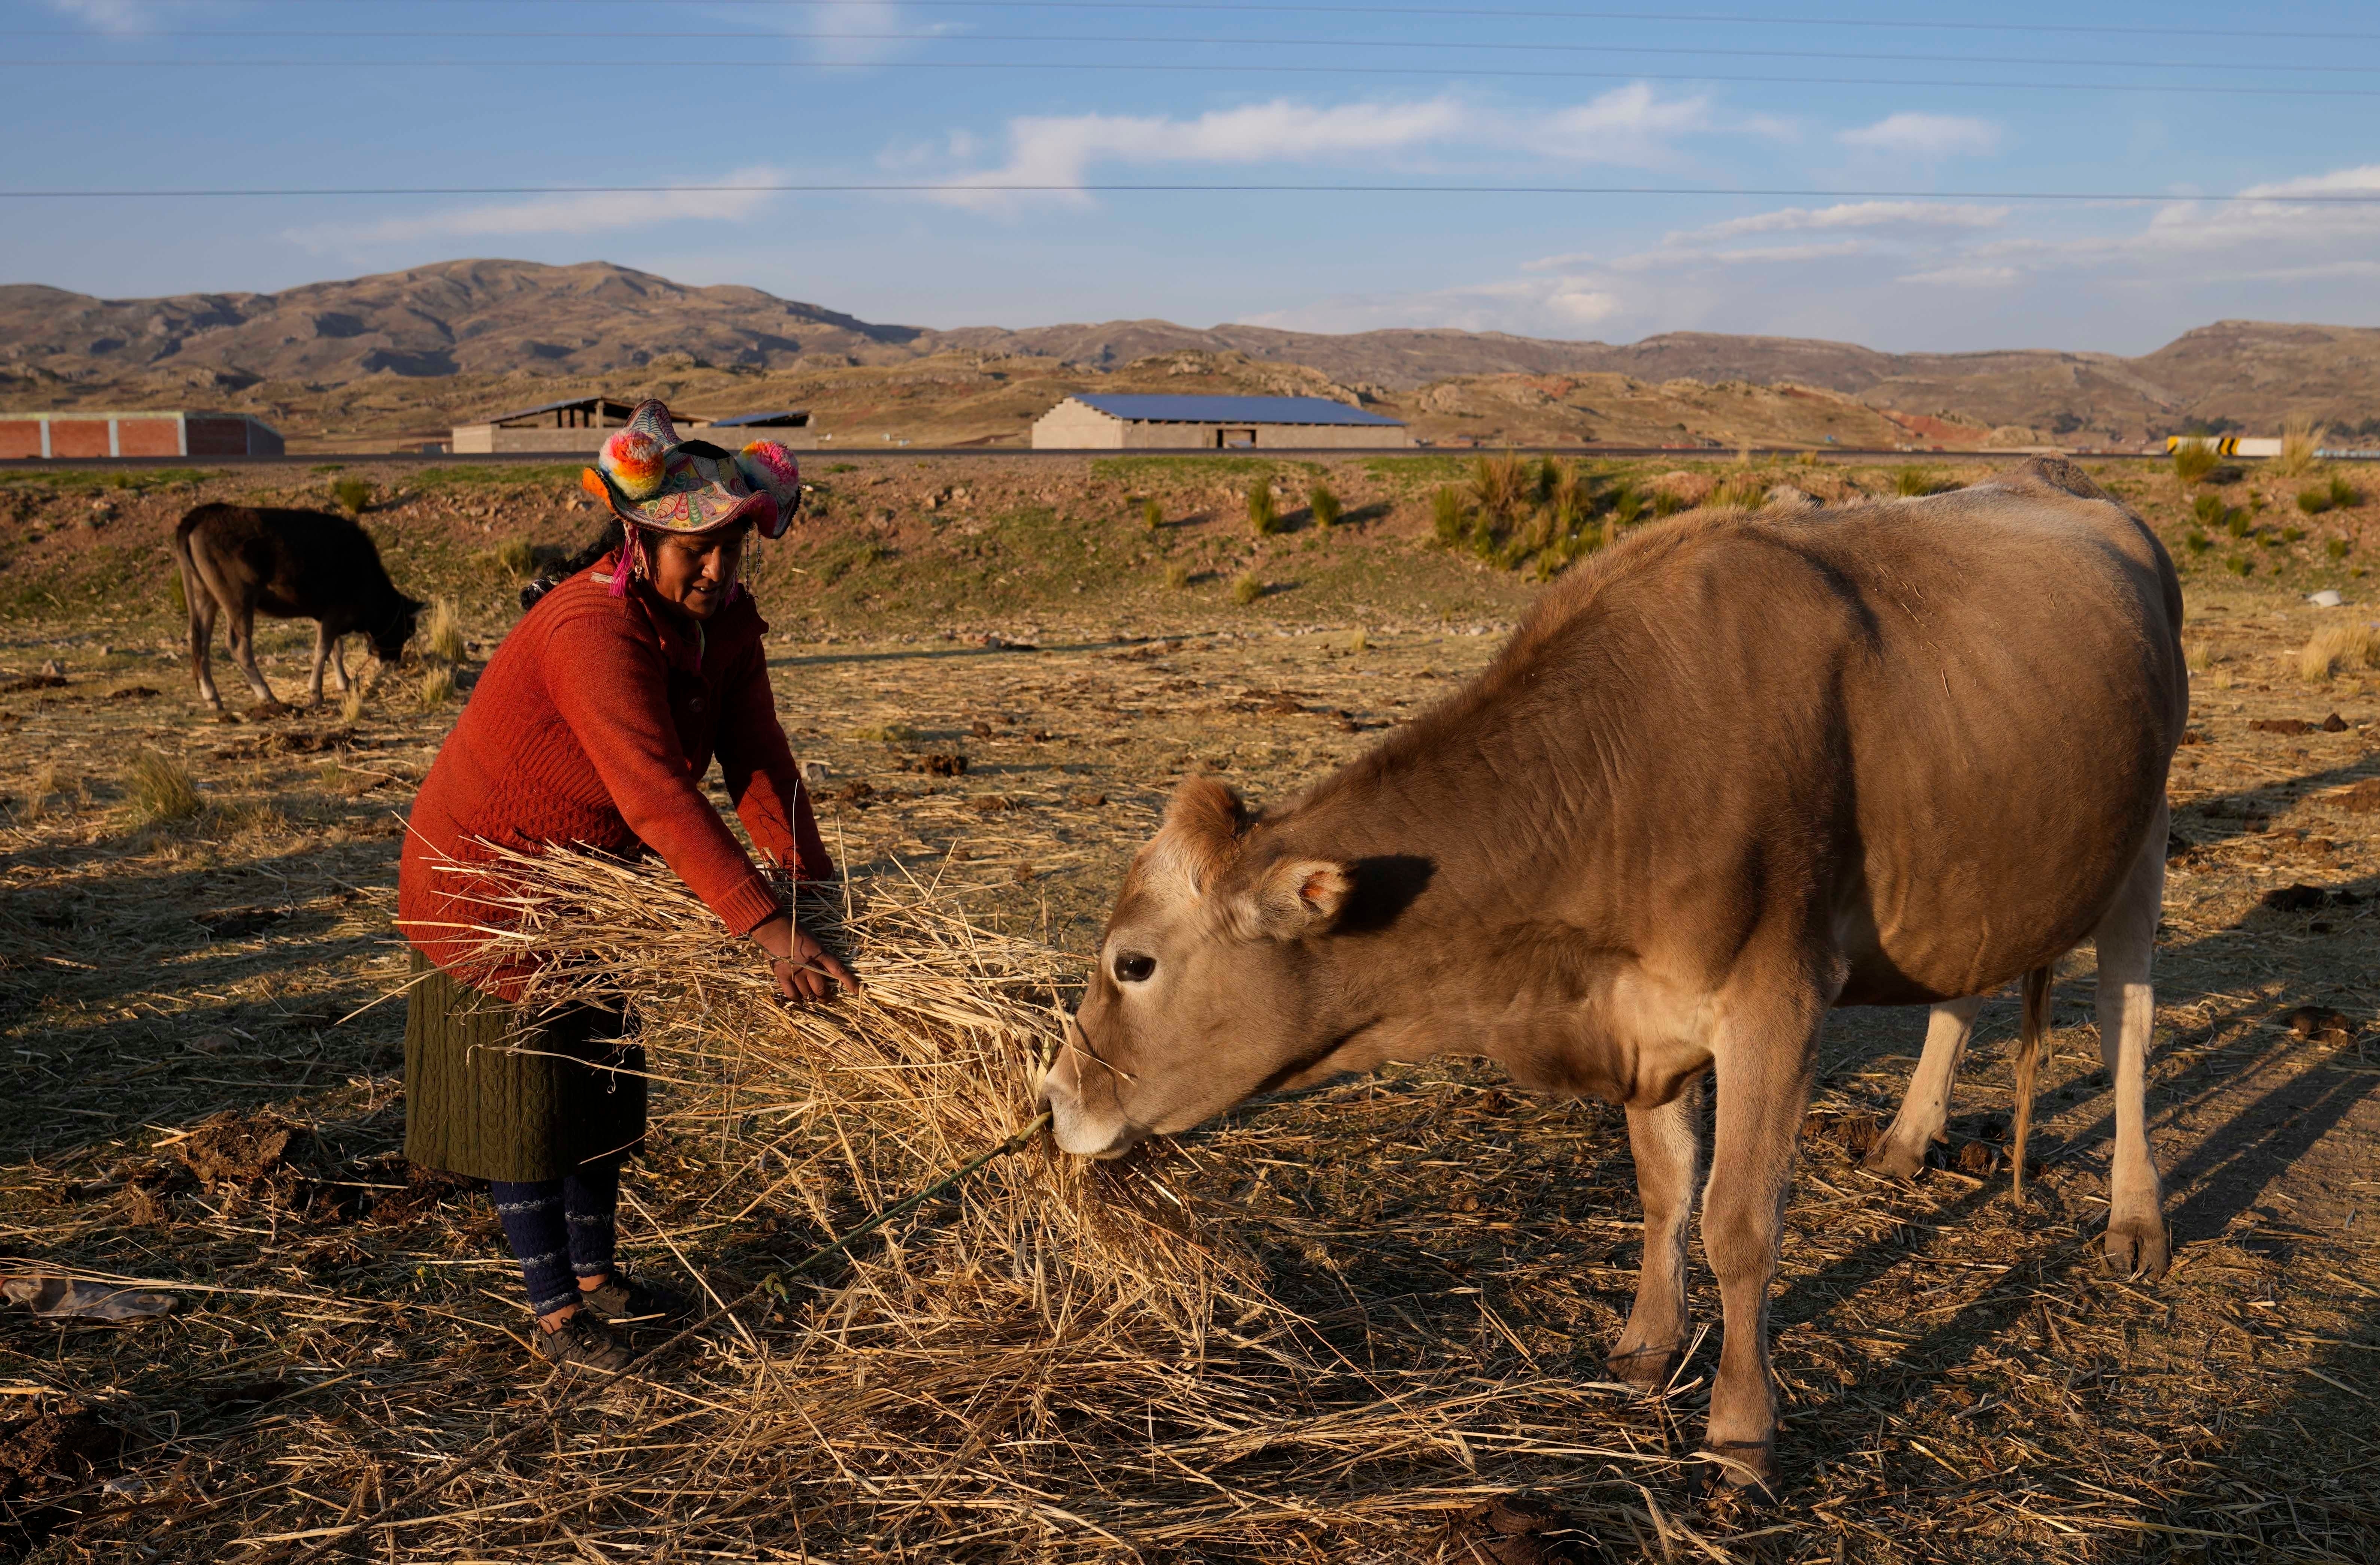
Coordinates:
<point>1470,12</point>
<point>748,35</point>
<point>2362,198</point>
<point>1186,68</point>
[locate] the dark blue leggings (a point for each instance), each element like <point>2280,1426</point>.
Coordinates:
<point>561,1229</point>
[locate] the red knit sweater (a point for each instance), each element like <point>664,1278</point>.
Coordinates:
<point>593,725</point>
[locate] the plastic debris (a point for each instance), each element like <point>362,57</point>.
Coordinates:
<point>66,1298</point>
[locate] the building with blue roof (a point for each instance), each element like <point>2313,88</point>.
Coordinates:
<point>1118,421</point>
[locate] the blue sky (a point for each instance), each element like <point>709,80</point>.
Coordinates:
<point>2176,101</point>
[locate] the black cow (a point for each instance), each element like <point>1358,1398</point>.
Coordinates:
<point>291,564</point>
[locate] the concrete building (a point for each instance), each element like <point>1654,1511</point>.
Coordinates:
<point>1101,421</point>
<point>581,424</point>
<point>172,432</point>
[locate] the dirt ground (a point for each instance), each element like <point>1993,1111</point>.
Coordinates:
<point>210,1098</point>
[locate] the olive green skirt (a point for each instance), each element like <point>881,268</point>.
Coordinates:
<point>493,1094</point>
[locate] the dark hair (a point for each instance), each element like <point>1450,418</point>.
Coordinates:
<point>614,535</point>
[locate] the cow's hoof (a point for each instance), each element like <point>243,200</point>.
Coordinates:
<point>1647,1369</point>
<point>2136,1247</point>
<point>1893,1160</point>
<point>1743,1472</point>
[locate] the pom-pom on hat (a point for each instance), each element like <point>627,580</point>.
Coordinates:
<point>654,479</point>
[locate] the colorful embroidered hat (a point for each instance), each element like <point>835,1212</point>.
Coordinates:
<point>654,479</point>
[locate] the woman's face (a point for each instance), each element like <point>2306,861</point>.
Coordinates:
<point>694,573</point>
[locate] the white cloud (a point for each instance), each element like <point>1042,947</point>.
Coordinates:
<point>1850,214</point>
<point>1552,307</point>
<point>1924,136</point>
<point>108,16</point>
<point>593,212</point>
<point>850,17</point>
<point>1968,276</point>
<point>2339,182</point>
<point>1630,125</point>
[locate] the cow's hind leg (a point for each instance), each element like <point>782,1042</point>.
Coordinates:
<point>241,633</point>
<point>1765,1058</point>
<point>1666,1142</point>
<point>1901,1152</point>
<point>203,634</point>
<point>2127,939</point>
<point>323,645</point>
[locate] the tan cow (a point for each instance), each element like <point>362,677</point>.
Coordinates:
<point>1737,771</point>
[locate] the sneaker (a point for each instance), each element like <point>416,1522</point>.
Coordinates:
<point>627,1300</point>
<point>582,1343</point>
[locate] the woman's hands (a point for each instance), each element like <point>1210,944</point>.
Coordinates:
<point>800,966</point>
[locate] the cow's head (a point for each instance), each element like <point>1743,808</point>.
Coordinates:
<point>1211,980</point>
<point>388,639</point>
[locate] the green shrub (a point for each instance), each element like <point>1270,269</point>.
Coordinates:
<point>1152,515</point>
<point>1497,482</point>
<point>2293,535</point>
<point>2196,541</point>
<point>2314,502</point>
<point>2238,522</point>
<point>160,789</point>
<point>353,494</point>
<point>2336,548</point>
<point>2343,494</point>
<point>1264,515</point>
<point>2192,460</point>
<point>1446,517</point>
<point>2238,565</point>
<point>1326,507</point>
<point>1550,478</point>
<point>1627,505</point>
<point>1912,482</point>
<point>1246,588</point>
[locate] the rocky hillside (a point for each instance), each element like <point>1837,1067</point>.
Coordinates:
<point>405,354</point>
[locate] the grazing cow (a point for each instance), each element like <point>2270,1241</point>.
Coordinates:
<point>1738,771</point>
<point>291,564</point>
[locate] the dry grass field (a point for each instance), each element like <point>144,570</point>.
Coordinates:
<point>1419,1271</point>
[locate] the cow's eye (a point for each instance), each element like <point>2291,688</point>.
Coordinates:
<point>1132,967</point>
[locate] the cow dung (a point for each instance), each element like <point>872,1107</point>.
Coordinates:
<point>2361,799</point>
<point>2295,899</point>
<point>229,1149</point>
<point>233,923</point>
<point>2334,723</point>
<point>2280,725</point>
<point>2316,1021</point>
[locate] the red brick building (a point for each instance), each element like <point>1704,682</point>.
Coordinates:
<point>169,433</point>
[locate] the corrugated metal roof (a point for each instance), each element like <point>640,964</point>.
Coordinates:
<point>610,405</point>
<point>793,418</point>
<point>1229,409</point>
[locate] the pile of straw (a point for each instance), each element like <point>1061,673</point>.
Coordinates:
<point>1059,1363</point>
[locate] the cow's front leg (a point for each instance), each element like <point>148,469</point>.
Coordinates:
<point>1762,1070</point>
<point>2127,939</point>
<point>1924,1113</point>
<point>1666,1142</point>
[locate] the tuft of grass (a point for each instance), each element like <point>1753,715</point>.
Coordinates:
<point>2300,438</point>
<point>1627,505</point>
<point>1668,502</point>
<point>516,559</point>
<point>351,705</point>
<point>2340,646</point>
<point>1177,575</point>
<point>1497,482</point>
<point>2239,564</point>
<point>1264,513</point>
<point>2336,548</point>
<point>1550,478</point>
<point>437,686</point>
<point>2192,460</point>
<point>2343,494</point>
<point>160,790</point>
<point>888,734</point>
<point>2196,541</point>
<point>1357,641</point>
<point>1445,519</point>
<point>1745,491</point>
<point>1152,515</point>
<point>1325,505</point>
<point>180,596</point>
<point>46,783</point>
<point>353,494</point>
<point>1246,588</point>
<point>2316,501</point>
<point>442,631</point>
<point>2197,656</point>
<point>1911,481</point>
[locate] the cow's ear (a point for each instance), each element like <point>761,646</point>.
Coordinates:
<point>1295,898</point>
<point>1201,831</point>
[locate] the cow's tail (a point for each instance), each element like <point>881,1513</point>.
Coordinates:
<point>2034,1029</point>
<point>191,584</point>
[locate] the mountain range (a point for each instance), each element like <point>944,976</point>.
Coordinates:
<point>418,343</point>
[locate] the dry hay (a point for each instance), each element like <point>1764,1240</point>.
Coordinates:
<point>1063,1362</point>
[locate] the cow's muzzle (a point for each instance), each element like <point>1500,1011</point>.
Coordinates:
<point>1079,1092</point>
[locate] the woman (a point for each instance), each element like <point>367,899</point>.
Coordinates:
<point>592,726</point>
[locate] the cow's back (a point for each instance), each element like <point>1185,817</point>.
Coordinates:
<point>294,562</point>
<point>1963,708</point>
